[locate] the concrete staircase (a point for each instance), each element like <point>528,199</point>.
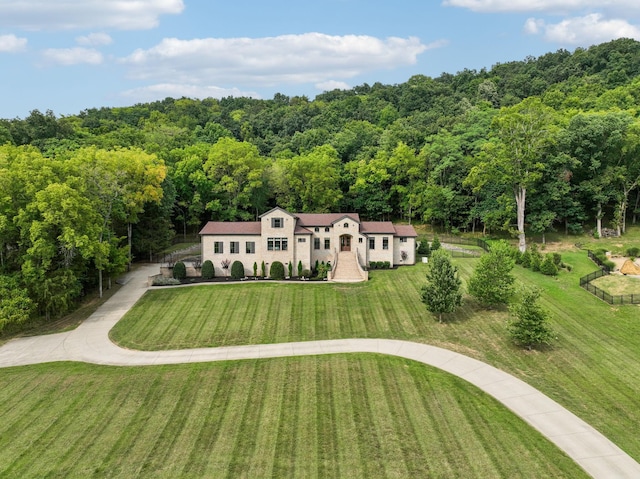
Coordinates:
<point>347,270</point>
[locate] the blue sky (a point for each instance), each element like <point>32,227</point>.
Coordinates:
<point>75,54</point>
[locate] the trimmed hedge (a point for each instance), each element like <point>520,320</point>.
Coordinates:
<point>179,271</point>
<point>277,270</point>
<point>237,270</point>
<point>208,271</point>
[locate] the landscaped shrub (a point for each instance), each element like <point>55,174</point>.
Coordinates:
<point>263,269</point>
<point>557,259</point>
<point>423,248</point>
<point>386,265</point>
<point>179,270</point>
<point>435,244</point>
<point>321,273</point>
<point>300,270</point>
<point>525,259</point>
<point>290,269</point>
<point>208,271</point>
<point>305,273</point>
<point>255,269</point>
<point>536,257</point>
<point>237,270</point>
<point>162,281</point>
<point>277,270</point>
<point>548,266</point>
<point>633,251</point>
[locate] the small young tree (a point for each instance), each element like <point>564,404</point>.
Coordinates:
<point>255,269</point>
<point>290,267</point>
<point>263,269</point>
<point>237,270</point>
<point>300,269</point>
<point>208,271</point>
<point>442,292</point>
<point>492,282</point>
<point>529,328</point>
<point>423,248</point>
<point>179,270</point>
<point>435,244</point>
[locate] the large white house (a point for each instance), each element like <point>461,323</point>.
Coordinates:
<point>349,244</point>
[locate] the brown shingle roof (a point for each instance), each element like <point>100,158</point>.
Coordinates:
<point>406,230</point>
<point>231,228</point>
<point>381,227</point>
<point>323,219</point>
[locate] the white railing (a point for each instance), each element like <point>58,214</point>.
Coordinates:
<point>334,265</point>
<point>363,273</point>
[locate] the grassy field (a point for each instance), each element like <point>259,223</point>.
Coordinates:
<point>593,368</point>
<point>333,416</point>
<point>618,284</point>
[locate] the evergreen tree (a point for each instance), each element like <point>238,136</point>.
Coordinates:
<point>435,244</point>
<point>442,292</point>
<point>529,328</point>
<point>492,282</point>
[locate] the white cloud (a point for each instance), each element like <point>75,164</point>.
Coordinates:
<point>533,26</point>
<point>94,39</point>
<point>588,30</point>
<point>72,56</point>
<point>174,90</point>
<point>12,44</point>
<point>332,85</point>
<point>85,14</point>
<point>286,59</point>
<point>552,6</point>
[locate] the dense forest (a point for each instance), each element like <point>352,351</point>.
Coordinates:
<point>543,144</point>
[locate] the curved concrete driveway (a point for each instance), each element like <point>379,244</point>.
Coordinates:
<point>90,343</point>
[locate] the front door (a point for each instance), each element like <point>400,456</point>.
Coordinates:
<point>345,243</point>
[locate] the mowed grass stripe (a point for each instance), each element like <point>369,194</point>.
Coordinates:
<point>387,427</point>
<point>216,387</point>
<point>326,416</point>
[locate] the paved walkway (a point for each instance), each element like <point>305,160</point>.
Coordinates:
<point>89,343</point>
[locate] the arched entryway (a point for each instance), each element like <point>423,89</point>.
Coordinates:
<point>345,243</point>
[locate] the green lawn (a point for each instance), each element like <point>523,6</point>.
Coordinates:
<point>616,284</point>
<point>329,416</point>
<point>593,368</point>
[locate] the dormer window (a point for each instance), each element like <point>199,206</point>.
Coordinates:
<point>277,222</point>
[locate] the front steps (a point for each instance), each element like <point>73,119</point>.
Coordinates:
<point>347,270</point>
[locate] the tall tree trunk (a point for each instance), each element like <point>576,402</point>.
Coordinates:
<point>599,220</point>
<point>635,210</point>
<point>100,282</point>
<point>521,197</point>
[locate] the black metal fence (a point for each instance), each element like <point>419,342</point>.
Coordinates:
<point>450,244</point>
<point>585,282</point>
<point>598,261</point>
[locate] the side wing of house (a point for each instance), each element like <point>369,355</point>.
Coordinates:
<point>404,245</point>
<point>231,241</point>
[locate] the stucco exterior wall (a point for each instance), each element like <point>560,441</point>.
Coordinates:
<point>379,254</point>
<point>208,252</point>
<point>409,246</point>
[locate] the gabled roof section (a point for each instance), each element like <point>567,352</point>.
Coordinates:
<point>301,230</point>
<point>406,231</point>
<point>324,219</point>
<point>231,228</point>
<point>350,216</point>
<point>377,227</point>
<point>281,210</point>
